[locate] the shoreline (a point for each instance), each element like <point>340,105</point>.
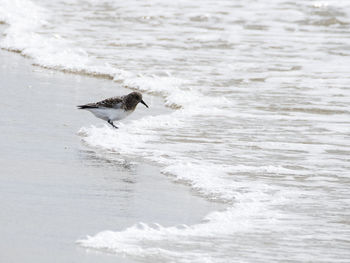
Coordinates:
<point>57,190</point>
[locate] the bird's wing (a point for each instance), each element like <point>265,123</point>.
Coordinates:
<point>114,102</point>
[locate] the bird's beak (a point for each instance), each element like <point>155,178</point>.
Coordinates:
<point>144,103</point>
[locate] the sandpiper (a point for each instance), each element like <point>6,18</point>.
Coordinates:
<point>115,108</point>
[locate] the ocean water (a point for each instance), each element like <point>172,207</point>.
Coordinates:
<point>261,120</point>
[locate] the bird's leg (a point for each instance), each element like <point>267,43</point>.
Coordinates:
<point>111,123</point>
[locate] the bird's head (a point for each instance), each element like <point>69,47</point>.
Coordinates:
<point>133,99</point>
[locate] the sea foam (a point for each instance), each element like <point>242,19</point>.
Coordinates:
<point>50,50</point>
<point>261,120</point>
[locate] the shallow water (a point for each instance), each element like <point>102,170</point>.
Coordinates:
<point>55,189</point>
<point>262,120</point>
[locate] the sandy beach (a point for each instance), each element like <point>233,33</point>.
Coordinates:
<point>243,155</point>
<point>56,190</point>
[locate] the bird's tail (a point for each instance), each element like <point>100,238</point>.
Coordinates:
<point>81,107</point>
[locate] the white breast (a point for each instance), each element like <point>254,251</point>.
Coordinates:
<point>109,114</point>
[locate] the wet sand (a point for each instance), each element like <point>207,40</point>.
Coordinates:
<point>54,189</point>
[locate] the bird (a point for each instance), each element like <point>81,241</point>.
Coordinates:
<point>115,108</point>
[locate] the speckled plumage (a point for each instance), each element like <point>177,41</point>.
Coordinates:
<point>115,108</point>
